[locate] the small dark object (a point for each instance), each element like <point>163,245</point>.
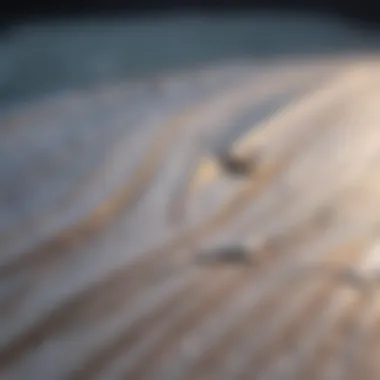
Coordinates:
<point>236,254</point>
<point>237,165</point>
<point>353,278</point>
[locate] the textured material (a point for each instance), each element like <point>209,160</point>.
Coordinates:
<point>210,224</point>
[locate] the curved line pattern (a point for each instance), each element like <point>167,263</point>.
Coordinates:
<point>112,298</point>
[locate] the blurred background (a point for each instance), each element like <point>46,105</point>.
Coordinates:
<point>364,11</point>
<point>50,47</point>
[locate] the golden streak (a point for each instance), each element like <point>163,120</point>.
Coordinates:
<point>207,171</point>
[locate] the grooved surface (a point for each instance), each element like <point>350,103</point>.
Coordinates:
<point>211,224</point>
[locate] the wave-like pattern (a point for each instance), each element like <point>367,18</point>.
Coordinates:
<point>215,224</point>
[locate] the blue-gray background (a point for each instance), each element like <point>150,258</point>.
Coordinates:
<point>38,59</point>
